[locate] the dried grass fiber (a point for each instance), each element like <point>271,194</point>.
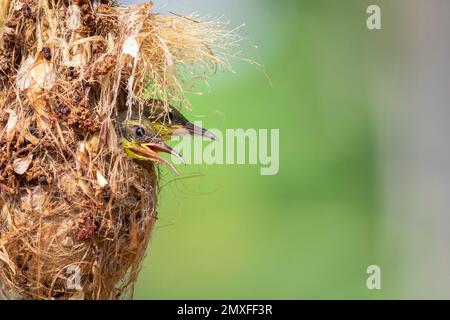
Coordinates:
<point>71,203</point>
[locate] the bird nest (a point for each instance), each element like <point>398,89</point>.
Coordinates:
<point>76,214</point>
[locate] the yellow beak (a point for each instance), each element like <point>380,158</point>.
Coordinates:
<point>149,152</point>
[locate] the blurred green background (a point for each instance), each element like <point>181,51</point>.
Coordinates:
<point>225,231</point>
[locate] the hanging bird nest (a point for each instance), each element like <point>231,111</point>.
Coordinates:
<point>76,214</point>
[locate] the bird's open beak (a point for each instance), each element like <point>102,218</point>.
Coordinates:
<point>149,152</point>
<point>194,130</point>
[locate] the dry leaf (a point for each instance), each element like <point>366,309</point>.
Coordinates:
<point>85,187</point>
<point>5,258</point>
<point>131,47</point>
<point>11,125</point>
<point>92,144</point>
<point>82,155</point>
<point>21,165</point>
<point>35,72</point>
<point>74,20</point>
<point>68,242</point>
<point>5,218</point>
<point>101,180</point>
<point>24,79</point>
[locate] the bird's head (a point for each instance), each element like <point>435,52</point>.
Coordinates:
<point>178,125</point>
<point>142,140</point>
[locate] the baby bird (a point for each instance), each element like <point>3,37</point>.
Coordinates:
<point>141,141</point>
<point>143,135</point>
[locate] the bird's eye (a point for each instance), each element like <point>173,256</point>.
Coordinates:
<point>140,132</point>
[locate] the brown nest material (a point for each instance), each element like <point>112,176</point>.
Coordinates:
<point>76,214</point>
